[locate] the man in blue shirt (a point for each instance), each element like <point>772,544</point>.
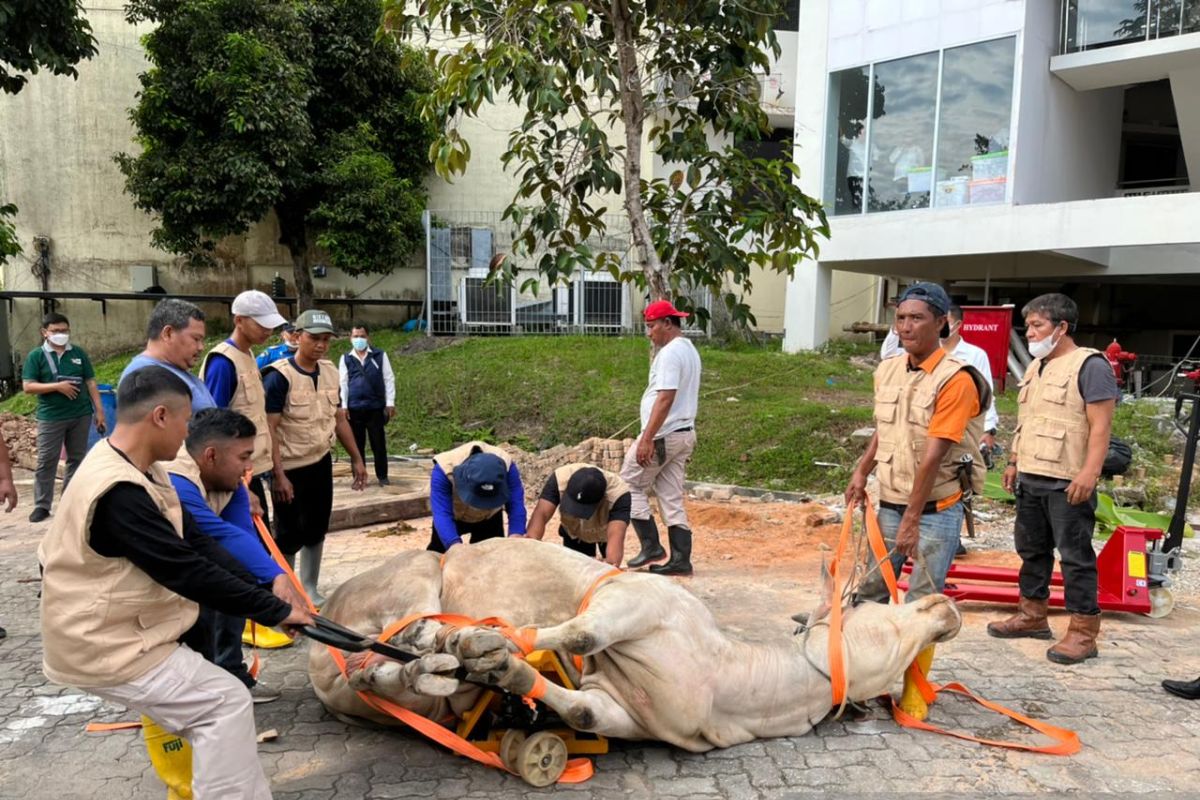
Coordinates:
<point>207,476</point>
<point>174,339</point>
<point>369,394</point>
<point>289,340</point>
<point>467,488</point>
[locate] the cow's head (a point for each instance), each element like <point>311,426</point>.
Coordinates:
<point>880,641</point>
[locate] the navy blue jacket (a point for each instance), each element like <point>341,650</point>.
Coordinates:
<point>365,381</point>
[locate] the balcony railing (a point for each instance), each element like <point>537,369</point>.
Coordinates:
<point>1092,24</point>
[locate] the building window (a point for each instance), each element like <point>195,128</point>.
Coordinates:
<point>936,128</point>
<point>1092,24</point>
<point>902,120</point>
<point>974,123</point>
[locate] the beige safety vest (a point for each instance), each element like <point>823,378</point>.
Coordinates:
<point>249,398</point>
<point>186,467</point>
<point>309,419</point>
<point>595,528</point>
<point>1052,424</point>
<point>904,406</point>
<point>104,621</point>
<point>451,459</point>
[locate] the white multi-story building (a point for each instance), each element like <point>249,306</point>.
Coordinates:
<point>1005,148</point>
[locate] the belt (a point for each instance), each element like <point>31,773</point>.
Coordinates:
<point>929,508</point>
<point>679,430</point>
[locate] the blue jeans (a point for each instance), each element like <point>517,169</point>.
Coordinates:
<point>937,545</point>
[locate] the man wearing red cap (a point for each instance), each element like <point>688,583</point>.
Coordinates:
<point>666,442</point>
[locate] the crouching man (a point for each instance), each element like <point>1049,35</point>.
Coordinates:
<point>593,511</point>
<point>125,573</point>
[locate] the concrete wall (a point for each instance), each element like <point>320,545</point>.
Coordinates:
<point>1072,140</point>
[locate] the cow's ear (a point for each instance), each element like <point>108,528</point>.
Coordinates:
<point>827,587</point>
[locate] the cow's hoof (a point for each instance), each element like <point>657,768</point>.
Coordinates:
<point>481,650</point>
<point>435,685</point>
<point>420,637</point>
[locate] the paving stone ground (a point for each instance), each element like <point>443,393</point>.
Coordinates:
<point>1136,739</point>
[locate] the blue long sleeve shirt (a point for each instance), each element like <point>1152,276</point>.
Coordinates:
<point>233,529</point>
<point>441,500</point>
<point>220,376</point>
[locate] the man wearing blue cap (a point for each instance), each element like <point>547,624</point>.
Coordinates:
<point>929,413</point>
<point>467,488</point>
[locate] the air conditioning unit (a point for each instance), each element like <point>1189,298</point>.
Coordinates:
<point>486,304</point>
<point>596,301</point>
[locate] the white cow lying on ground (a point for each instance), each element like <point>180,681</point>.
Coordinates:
<point>656,664</point>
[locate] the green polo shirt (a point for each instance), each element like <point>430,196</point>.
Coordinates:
<point>74,365</point>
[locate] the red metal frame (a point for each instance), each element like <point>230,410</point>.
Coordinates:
<point>1121,566</point>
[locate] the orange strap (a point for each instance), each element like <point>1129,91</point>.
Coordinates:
<point>108,727</point>
<point>587,601</point>
<point>838,681</point>
<point>578,769</point>
<point>1066,741</point>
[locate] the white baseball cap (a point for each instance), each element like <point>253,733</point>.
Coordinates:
<point>259,307</point>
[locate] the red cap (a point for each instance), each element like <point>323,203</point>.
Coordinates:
<point>661,309</point>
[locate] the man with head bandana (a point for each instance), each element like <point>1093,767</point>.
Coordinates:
<point>929,412</point>
<point>1065,411</point>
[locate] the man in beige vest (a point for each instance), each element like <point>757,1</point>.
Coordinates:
<point>468,488</point>
<point>303,410</point>
<point>125,572</point>
<point>1064,416</point>
<point>929,410</point>
<point>593,511</point>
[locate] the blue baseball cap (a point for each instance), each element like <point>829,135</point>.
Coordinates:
<point>933,295</point>
<point>482,481</point>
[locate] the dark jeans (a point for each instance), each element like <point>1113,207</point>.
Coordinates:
<point>217,638</point>
<point>1045,521</point>
<point>305,520</point>
<point>490,528</point>
<point>369,422</point>
<point>580,546</point>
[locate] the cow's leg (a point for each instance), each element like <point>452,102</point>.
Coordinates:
<point>431,676</point>
<point>611,617</point>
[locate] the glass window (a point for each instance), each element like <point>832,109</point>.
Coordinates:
<point>846,145</point>
<point>974,122</point>
<point>901,140</point>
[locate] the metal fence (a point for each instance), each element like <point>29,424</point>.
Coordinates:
<point>462,301</point>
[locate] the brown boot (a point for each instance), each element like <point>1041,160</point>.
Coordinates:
<point>1080,642</point>
<point>1028,622</point>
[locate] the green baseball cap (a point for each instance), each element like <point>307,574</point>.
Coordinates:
<point>314,321</point>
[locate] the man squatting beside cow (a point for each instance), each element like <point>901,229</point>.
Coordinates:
<point>929,410</point>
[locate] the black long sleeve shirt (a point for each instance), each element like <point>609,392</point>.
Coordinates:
<point>127,524</point>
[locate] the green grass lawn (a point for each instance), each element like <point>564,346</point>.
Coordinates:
<point>766,418</point>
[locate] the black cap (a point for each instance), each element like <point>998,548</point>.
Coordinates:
<point>584,492</point>
<point>482,481</point>
<point>933,295</point>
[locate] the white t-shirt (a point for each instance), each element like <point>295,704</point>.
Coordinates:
<point>677,366</point>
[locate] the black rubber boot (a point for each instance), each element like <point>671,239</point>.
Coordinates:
<point>647,533</point>
<point>681,553</point>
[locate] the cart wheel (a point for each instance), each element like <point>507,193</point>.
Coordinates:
<point>510,746</point>
<point>542,759</point>
<point>1162,602</point>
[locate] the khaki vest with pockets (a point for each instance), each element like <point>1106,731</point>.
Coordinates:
<point>1052,425</point>
<point>594,529</point>
<point>249,399</point>
<point>104,621</point>
<point>451,459</point>
<point>904,406</point>
<point>309,419</point>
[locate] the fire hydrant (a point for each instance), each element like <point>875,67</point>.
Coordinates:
<point>1118,358</point>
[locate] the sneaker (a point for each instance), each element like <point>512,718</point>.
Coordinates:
<point>39,515</point>
<point>263,694</point>
<point>384,482</point>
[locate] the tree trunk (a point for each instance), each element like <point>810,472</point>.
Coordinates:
<point>292,235</point>
<point>303,277</point>
<point>633,111</point>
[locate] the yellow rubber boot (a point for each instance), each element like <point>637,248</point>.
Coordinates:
<point>267,638</point>
<point>911,701</point>
<point>171,756</point>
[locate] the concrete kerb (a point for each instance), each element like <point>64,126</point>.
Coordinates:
<point>721,492</point>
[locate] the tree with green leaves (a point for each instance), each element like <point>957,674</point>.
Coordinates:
<point>598,82</point>
<point>50,34</point>
<point>290,106</point>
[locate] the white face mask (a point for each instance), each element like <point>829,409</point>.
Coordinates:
<point>1044,347</point>
<point>359,343</point>
<point>59,339</point>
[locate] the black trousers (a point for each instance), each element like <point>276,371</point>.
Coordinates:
<point>259,490</point>
<point>580,546</point>
<point>369,422</point>
<point>490,528</point>
<point>305,520</point>
<point>1045,521</point>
